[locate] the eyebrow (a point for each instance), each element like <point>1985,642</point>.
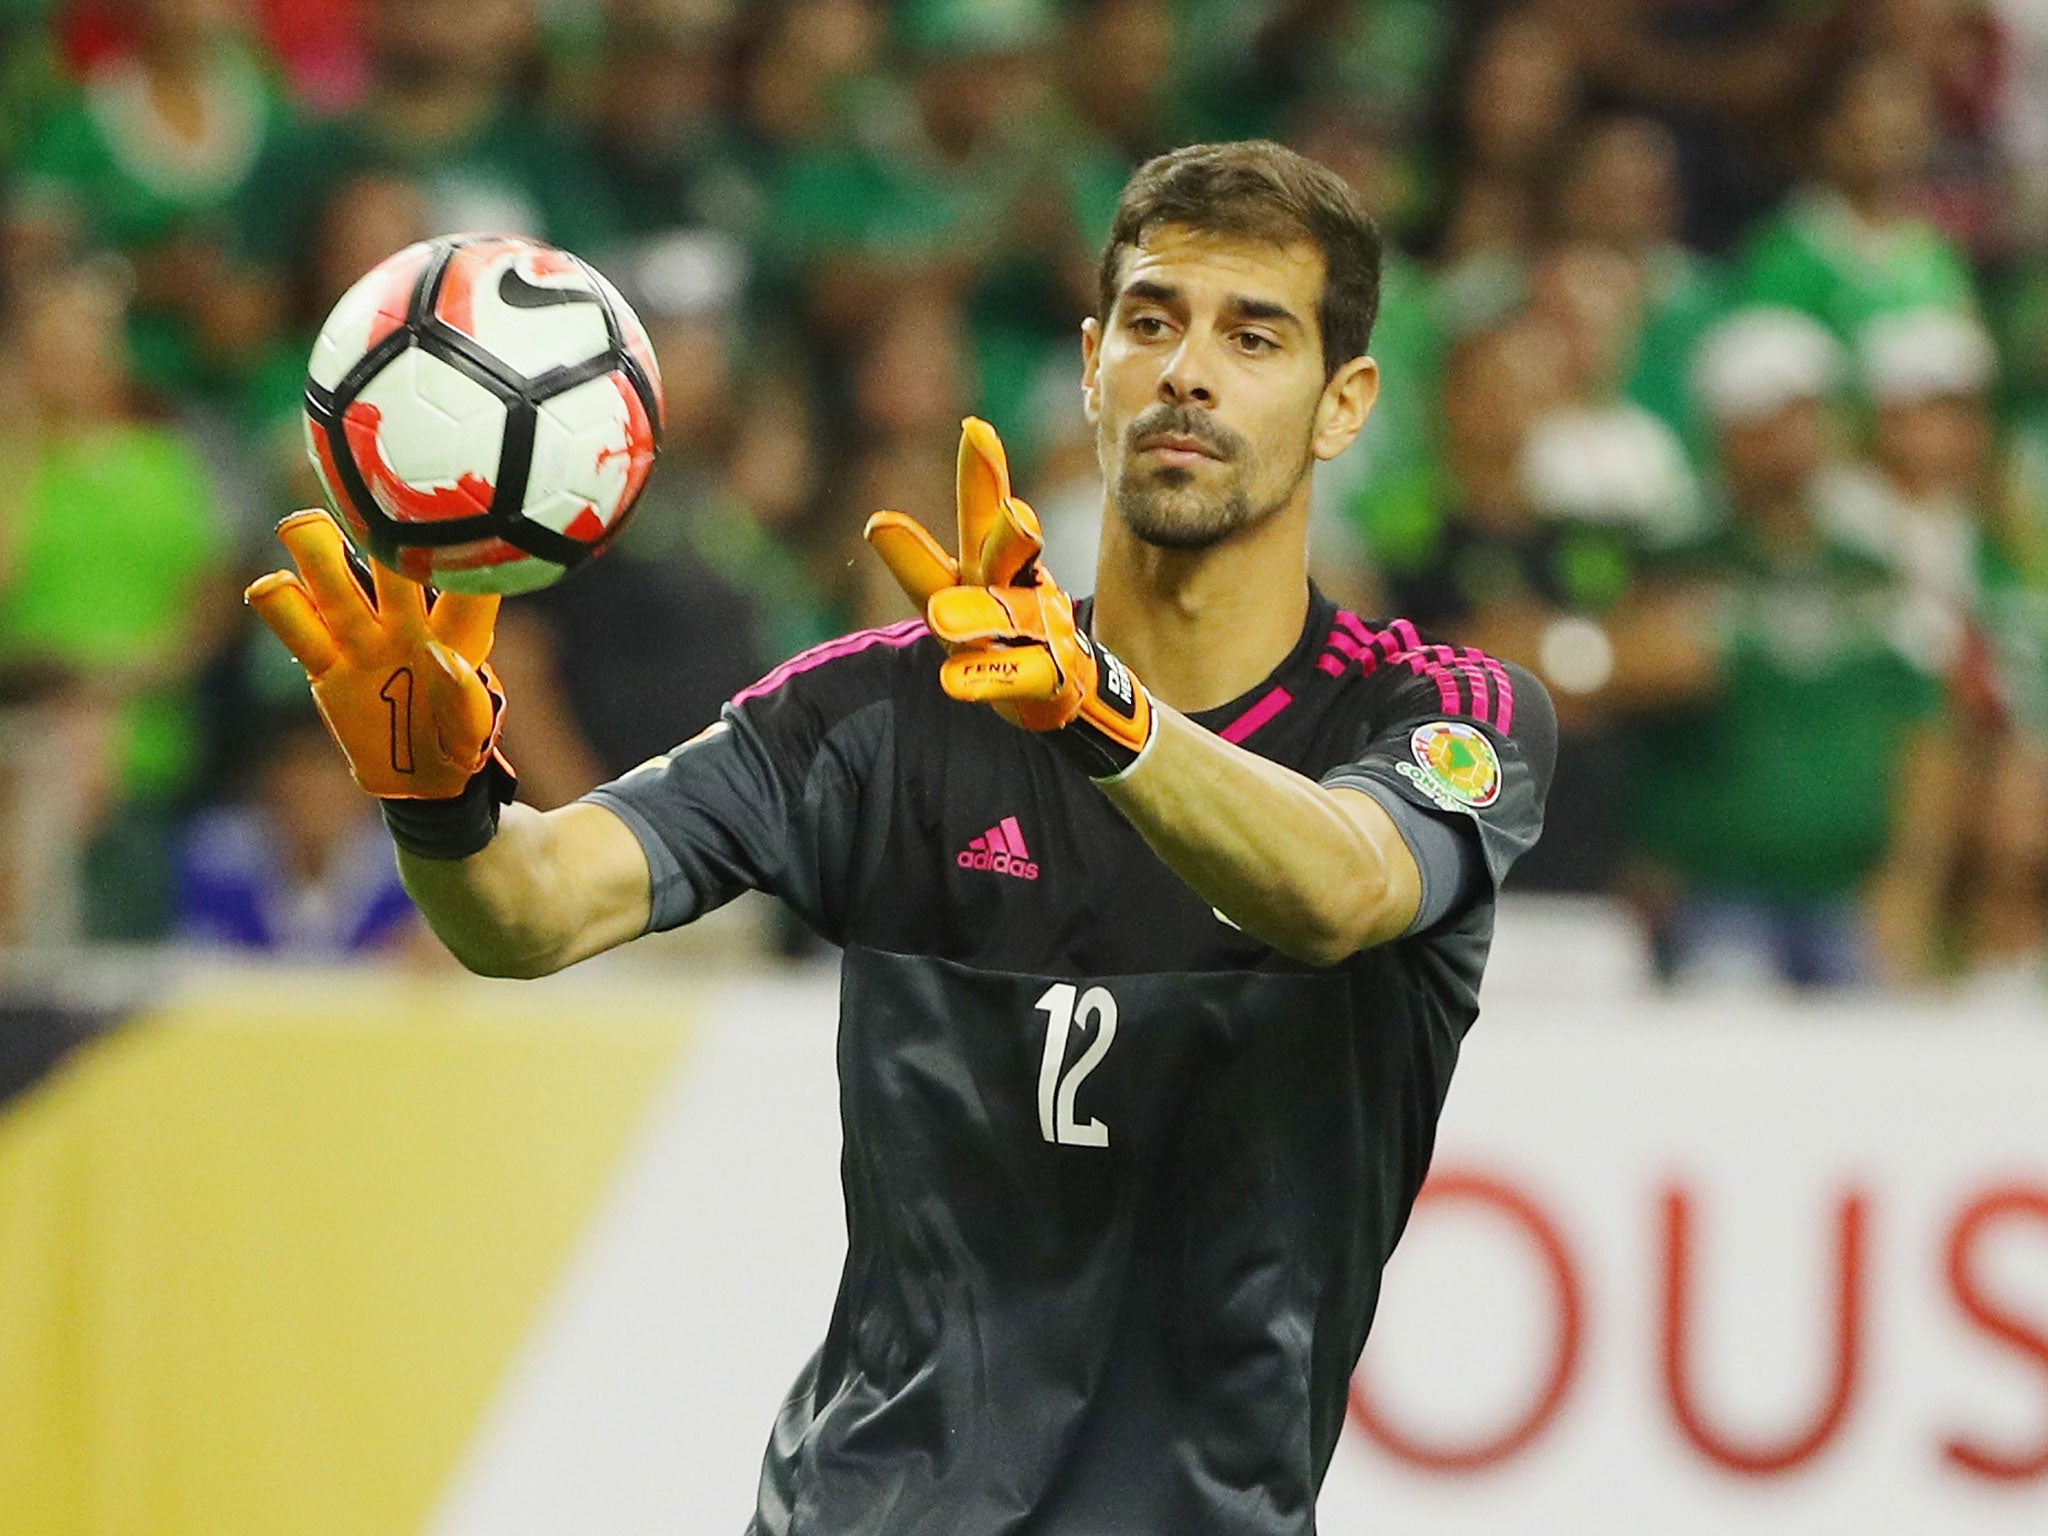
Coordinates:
<point>1261,309</point>
<point>1151,292</point>
<point>1239,306</point>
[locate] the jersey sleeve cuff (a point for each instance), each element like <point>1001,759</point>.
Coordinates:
<point>673,899</point>
<point>1445,860</point>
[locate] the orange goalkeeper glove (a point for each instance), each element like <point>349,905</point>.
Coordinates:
<point>404,689</point>
<point>1011,631</point>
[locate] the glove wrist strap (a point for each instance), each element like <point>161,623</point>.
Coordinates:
<point>457,827</point>
<point>1099,755</point>
<point>1114,729</point>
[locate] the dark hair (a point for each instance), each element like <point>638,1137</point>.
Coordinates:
<point>1259,190</point>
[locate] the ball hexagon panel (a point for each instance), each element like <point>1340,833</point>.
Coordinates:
<point>371,310</point>
<point>591,451</point>
<point>426,438</point>
<point>530,306</point>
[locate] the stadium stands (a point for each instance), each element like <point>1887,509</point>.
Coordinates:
<point>852,221</point>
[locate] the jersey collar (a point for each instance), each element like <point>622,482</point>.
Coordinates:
<point>1259,703</point>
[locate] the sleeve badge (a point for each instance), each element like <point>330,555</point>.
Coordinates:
<point>1455,765</point>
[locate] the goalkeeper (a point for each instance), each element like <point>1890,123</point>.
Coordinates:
<point>1163,912</point>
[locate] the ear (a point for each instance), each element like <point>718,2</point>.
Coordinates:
<point>1091,362</point>
<point>1347,401</point>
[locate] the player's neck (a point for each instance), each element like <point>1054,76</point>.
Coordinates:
<point>1202,626</point>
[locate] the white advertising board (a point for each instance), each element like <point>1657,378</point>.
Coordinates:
<point>1685,1273</point>
<point>1681,1269</point>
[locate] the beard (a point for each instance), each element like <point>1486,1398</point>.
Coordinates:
<point>1168,506</point>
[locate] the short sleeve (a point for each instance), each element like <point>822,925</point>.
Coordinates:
<point>788,792</point>
<point>1469,740</point>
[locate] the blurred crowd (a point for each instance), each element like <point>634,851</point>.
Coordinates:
<point>1715,355</point>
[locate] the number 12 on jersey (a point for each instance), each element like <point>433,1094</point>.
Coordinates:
<point>1063,1005</point>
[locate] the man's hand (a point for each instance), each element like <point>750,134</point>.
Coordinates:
<point>405,691</point>
<point>1011,631</point>
<point>999,536</point>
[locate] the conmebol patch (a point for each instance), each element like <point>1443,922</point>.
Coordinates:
<point>1455,765</point>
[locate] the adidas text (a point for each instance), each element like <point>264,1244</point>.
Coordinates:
<point>996,863</point>
<point>1001,851</point>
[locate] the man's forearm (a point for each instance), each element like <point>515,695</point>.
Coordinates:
<point>487,908</point>
<point>549,889</point>
<point>1316,873</point>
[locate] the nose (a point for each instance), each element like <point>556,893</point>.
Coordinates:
<point>1186,379</point>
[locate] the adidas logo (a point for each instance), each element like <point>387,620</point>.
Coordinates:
<point>999,850</point>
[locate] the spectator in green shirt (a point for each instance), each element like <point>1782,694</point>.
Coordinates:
<point>1517,105</point>
<point>451,107</point>
<point>670,150</point>
<point>1601,458</point>
<point>927,183</point>
<point>975,178</point>
<point>1373,503</point>
<point>362,219</point>
<point>1928,506</point>
<point>1534,562</point>
<point>1118,68</point>
<point>148,157</point>
<point>115,592</point>
<point>1769,807</point>
<point>1620,189</point>
<point>1851,243</point>
<point>1925,502</point>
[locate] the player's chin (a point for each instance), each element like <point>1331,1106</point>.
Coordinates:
<point>1183,522</point>
<point>1192,485</point>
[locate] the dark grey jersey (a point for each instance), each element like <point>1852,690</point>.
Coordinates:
<point>1120,1179</point>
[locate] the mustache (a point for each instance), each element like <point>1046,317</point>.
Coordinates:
<point>1182,422</point>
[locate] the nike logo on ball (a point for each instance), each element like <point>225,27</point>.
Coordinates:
<point>518,293</point>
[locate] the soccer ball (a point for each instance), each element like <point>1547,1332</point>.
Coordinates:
<point>482,411</point>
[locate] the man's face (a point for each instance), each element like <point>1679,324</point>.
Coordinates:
<point>1622,191</point>
<point>1128,52</point>
<point>74,352</point>
<point>1882,131</point>
<point>1775,455</point>
<point>1594,294</point>
<point>1204,384</point>
<point>365,220</point>
<point>1937,446</point>
<point>1519,97</point>
<point>977,99</point>
<point>1497,386</point>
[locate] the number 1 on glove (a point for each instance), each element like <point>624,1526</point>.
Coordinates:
<point>405,690</point>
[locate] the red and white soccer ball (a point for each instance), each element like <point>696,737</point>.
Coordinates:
<point>483,411</point>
